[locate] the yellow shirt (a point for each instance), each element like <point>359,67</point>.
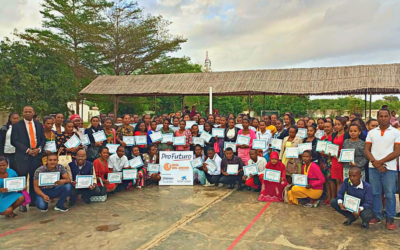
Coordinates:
<point>272,128</point>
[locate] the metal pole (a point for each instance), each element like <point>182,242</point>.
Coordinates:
<point>211,102</point>
<point>370,103</point>
<point>365,106</point>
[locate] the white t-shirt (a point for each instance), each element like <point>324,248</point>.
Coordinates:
<point>8,148</point>
<point>261,164</point>
<point>383,144</point>
<point>117,164</point>
<point>266,136</point>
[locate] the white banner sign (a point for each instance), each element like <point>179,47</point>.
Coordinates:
<point>175,168</point>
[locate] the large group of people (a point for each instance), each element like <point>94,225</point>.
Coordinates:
<point>302,163</point>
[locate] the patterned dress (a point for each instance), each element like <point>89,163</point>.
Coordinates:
<point>359,157</point>
<point>61,139</point>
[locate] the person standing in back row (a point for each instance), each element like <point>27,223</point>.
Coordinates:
<point>28,138</point>
<point>382,148</point>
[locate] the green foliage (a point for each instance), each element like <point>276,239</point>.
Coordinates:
<point>33,76</point>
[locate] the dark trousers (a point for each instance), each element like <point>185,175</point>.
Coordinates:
<point>86,193</point>
<point>212,179</point>
<point>23,168</point>
<point>366,214</point>
<point>62,191</point>
<point>232,179</point>
<point>11,161</point>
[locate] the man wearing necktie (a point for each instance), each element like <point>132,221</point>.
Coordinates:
<point>28,138</point>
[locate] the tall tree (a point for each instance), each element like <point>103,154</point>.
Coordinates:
<point>69,29</point>
<point>133,40</point>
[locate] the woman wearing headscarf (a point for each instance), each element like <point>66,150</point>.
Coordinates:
<point>93,150</point>
<point>6,149</point>
<point>272,191</point>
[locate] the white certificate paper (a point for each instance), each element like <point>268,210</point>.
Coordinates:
<point>220,132</point>
<point>272,175</point>
<point>211,166</point>
<point>231,145</point>
<point>141,140</point>
<point>332,149</point>
<point>15,184</point>
<point>250,170</point>
<point>319,134</point>
<point>198,141</point>
<point>179,140</point>
<point>99,136</point>
<point>243,140</point>
<point>239,126</point>
<point>292,152</point>
<point>300,180</point>
<point>129,140</point>
<point>232,169</point>
<point>189,124</point>
<point>84,181</point>
<point>304,146</point>
<point>260,144</point>
<point>276,143</point>
<point>174,128</point>
<point>302,133</point>
<point>159,127</point>
<point>198,162</point>
<point>112,148</point>
<point>206,136</point>
<point>50,146</point>
<point>129,174</point>
<point>201,128</point>
<point>321,146</point>
<point>351,203</point>
<point>153,168</point>
<point>73,142</point>
<point>136,162</point>
<point>156,136</point>
<point>85,140</point>
<point>48,179</point>
<point>167,138</point>
<point>114,177</point>
<point>347,155</point>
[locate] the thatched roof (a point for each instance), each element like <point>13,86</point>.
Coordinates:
<point>377,79</point>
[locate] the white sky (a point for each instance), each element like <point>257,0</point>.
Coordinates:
<point>261,34</point>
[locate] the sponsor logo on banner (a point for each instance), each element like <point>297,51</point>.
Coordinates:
<point>167,166</point>
<point>176,168</point>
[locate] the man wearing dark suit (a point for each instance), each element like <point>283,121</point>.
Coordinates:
<point>28,139</point>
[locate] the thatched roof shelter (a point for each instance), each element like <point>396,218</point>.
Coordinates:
<point>362,79</point>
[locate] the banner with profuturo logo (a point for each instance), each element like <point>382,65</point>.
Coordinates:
<point>175,168</point>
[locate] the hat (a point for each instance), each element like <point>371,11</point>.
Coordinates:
<point>74,117</point>
<point>274,155</point>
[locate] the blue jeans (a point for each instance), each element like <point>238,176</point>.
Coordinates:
<point>387,182</point>
<point>62,192</point>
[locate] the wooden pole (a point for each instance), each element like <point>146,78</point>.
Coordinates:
<point>115,106</point>
<point>249,103</point>
<point>264,103</point>
<point>183,101</point>
<point>155,104</point>
<point>365,106</point>
<point>370,104</point>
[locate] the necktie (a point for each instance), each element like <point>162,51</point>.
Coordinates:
<point>32,135</point>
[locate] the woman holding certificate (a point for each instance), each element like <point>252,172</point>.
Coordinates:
<point>311,186</point>
<point>293,165</point>
<point>195,134</point>
<point>311,130</point>
<point>353,154</point>
<point>142,171</point>
<point>125,130</point>
<point>111,133</point>
<point>271,190</point>
<point>101,168</point>
<point>244,145</point>
<point>95,145</point>
<point>150,158</point>
<point>183,132</point>
<point>166,145</point>
<point>141,130</point>
<point>338,139</point>
<point>9,201</point>
<point>326,164</point>
<point>6,149</point>
<point>64,137</point>
<point>210,144</point>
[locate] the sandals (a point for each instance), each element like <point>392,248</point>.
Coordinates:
<point>12,216</point>
<point>310,205</point>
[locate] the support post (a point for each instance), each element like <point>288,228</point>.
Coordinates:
<point>370,104</point>
<point>211,102</point>
<point>155,104</point>
<point>264,103</point>
<point>115,106</point>
<point>83,117</point>
<point>365,106</point>
<point>183,101</point>
<point>249,103</point>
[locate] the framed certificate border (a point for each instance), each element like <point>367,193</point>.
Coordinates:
<point>138,165</point>
<point>246,172</point>
<point>346,150</point>
<point>120,177</point>
<point>265,144</point>
<point>273,171</point>
<point>179,144</point>
<point>300,185</point>
<point>23,178</point>
<point>83,176</point>
<point>231,145</point>
<point>129,170</point>
<point>346,196</point>
<point>48,184</point>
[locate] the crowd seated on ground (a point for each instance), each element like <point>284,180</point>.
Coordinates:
<point>338,162</point>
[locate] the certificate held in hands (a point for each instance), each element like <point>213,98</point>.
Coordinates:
<point>73,142</point>
<point>156,136</point>
<point>84,181</point>
<point>321,146</point>
<point>276,143</point>
<point>304,147</point>
<point>332,149</point>
<point>15,184</point>
<point>99,136</point>
<point>292,152</point>
<point>272,175</point>
<point>129,140</point>
<point>129,174</point>
<point>85,140</point>
<point>141,140</point>
<point>48,179</point>
<point>206,136</point>
<point>250,170</point>
<point>114,177</point>
<point>196,163</point>
<point>347,155</point>
<point>112,148</point>
<point>167,138</point>
<point>351,203</point>
<point>231,145</point>
<point>198,141</point>
<point>211,166</point>
<point>136,162</point>
<point>243,140</point>
<point>302,133</point>
<point>260,144</point>
<point>153,168</point>
<point>220,132</point>
<point>232,169</point>
<point>50,146</point>
<point>300,180</point>
<point>180,141</point>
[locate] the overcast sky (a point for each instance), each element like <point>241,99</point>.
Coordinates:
<point>261,34</point>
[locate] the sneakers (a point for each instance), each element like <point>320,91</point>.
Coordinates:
<point>365,225</point>
<point>44,211</point>
<point>23,209</point>
<point>61,209</point>
<point>349,221</point>
<point>397,217</point>
<point>220,185</point>
<point>374,221</point>
<point>390,224</point>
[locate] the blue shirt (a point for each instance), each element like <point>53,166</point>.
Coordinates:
<point>363,192</point>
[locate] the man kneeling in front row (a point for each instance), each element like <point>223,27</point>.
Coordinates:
<point>81,166</point>
<point>357,188</point>
<point>46,191</point>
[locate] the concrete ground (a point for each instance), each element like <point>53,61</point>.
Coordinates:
<point>171,218</point>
